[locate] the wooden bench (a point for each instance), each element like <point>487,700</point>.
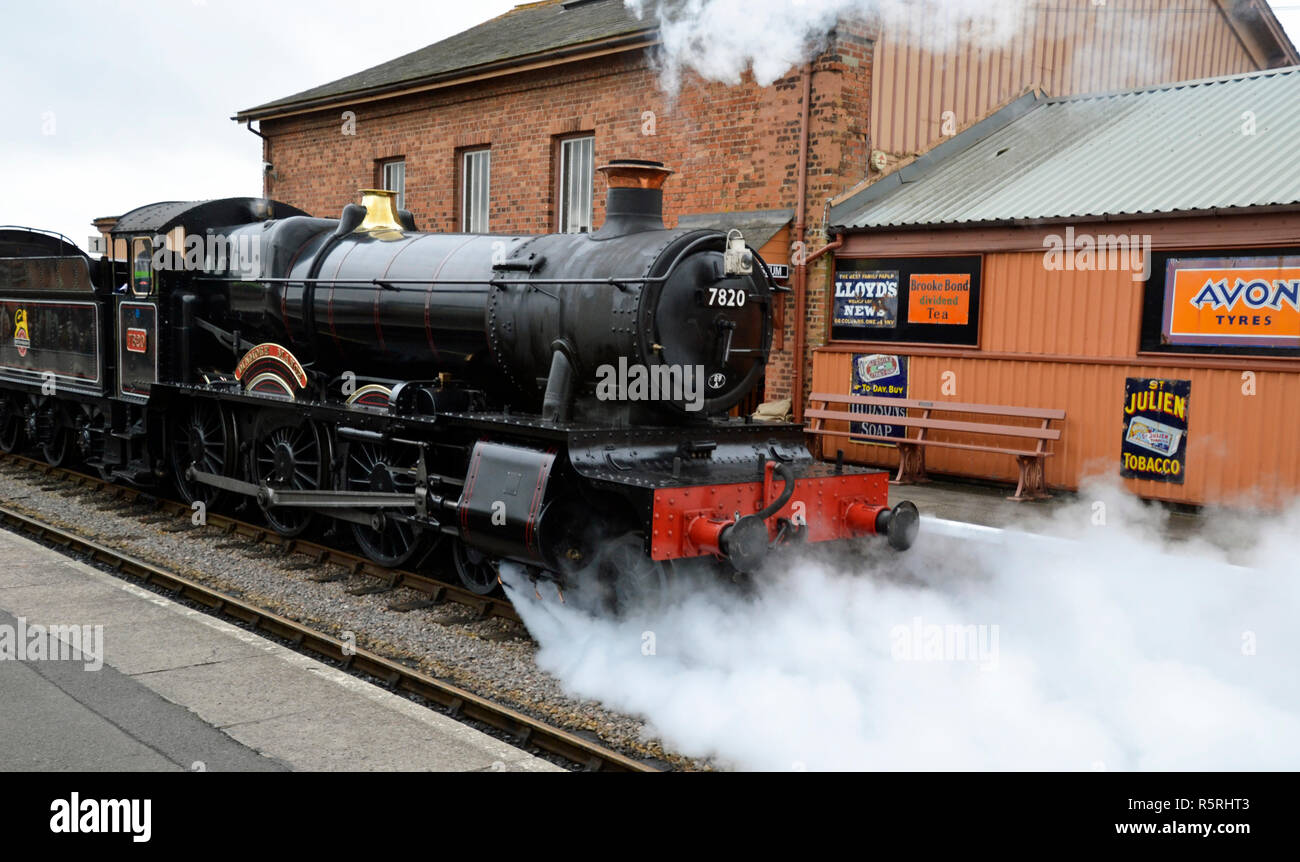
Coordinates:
<point>911,450</point>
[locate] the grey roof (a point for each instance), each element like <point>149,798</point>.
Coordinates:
<point>163,216</point>
<point>532,29</point>
<point>757,226</point>
<point>152,216</point>
<point>1173,148</point>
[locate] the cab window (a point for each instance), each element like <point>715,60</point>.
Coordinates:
<point>141,266</point>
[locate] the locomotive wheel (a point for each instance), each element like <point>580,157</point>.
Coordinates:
<point>89,434</point>
<point>382,469</point>
<point>58,451</point>
<point>12,426</point>
<point>629,579</point>
<point>290,456</point>
<point>57,447</point>
<point>203,436</point>
<point>477,571</point>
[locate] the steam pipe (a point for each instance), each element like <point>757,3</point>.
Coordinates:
<point>787,492</point>
<point>559,388</point>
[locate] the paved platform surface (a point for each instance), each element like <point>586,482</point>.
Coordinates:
<point>179,690</point>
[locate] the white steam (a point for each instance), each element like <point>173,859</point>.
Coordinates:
<point>721,39</point>
<point>1111,651</point>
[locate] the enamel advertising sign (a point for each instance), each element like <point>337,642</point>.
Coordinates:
<point>1234,301</point>
<point>878,375</point>
<point>866,300</point>
<point>1155,429</point>
<point>942,298</point>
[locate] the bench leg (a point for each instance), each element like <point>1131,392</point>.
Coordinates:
<point>911,465</point>
<point>1033,482</point>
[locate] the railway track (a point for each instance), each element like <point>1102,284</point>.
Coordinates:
<point>321,554</point>
<point>525,729</point>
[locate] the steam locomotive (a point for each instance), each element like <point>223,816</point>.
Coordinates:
<point>557,400</point>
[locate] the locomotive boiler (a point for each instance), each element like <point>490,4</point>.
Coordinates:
<point>515,314</point>
<point>559,400</point>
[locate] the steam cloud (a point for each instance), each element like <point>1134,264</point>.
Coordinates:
<point>720,39</point>
<point>1113,651</point>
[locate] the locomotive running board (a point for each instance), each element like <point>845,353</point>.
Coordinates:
<point>273,498</point>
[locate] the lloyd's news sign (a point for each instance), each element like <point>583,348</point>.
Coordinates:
<point>866,299</point>
<point>1232,301</point>
<point>1155,429</point>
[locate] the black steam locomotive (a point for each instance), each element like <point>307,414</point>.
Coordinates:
<point>555,400</point>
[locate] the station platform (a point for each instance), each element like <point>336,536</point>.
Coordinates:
<point>162,687</point>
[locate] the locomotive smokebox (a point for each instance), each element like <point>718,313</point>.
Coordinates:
<point>635,200</point>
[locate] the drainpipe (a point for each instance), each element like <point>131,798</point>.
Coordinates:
<point>801,266</point>
<point>839,241</point>
<point>266,159</point>
<point>809,260</point>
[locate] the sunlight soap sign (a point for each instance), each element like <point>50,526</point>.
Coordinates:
<point>879,375</point>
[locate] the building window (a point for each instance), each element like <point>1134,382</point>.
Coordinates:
<point>475,186</point>
<point>392,176</point>
<point>576,177</point>
<point>933,300</point>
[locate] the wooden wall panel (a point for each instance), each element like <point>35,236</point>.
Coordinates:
<point>1062,48</point>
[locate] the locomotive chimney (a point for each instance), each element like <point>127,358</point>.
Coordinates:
<point>381,210</point>
<point>635,200</point>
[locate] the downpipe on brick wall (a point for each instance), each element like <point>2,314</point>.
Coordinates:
<point>801,266</point>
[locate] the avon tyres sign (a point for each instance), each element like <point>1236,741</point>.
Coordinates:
<point>878,375</point>
<point>1155,429</point>
<point>1232,301</point>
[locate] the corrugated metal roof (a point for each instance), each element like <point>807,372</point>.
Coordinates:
<point>1174,148</point>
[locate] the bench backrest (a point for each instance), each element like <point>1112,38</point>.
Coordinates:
<point>1042,431</point>
<point>1038,432</point>
<point>947,406</point>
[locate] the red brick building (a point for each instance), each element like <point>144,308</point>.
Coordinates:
<point>498,128</point>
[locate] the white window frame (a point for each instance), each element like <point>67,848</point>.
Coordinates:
<point>475,190</point>
<point>576,163</point>
<point>392,176</point>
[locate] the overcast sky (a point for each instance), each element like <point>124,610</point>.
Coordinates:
<point>112,104</point>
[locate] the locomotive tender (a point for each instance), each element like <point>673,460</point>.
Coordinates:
<point>459,391</point>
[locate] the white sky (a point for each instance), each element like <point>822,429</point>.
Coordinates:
<point>113,104</point>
